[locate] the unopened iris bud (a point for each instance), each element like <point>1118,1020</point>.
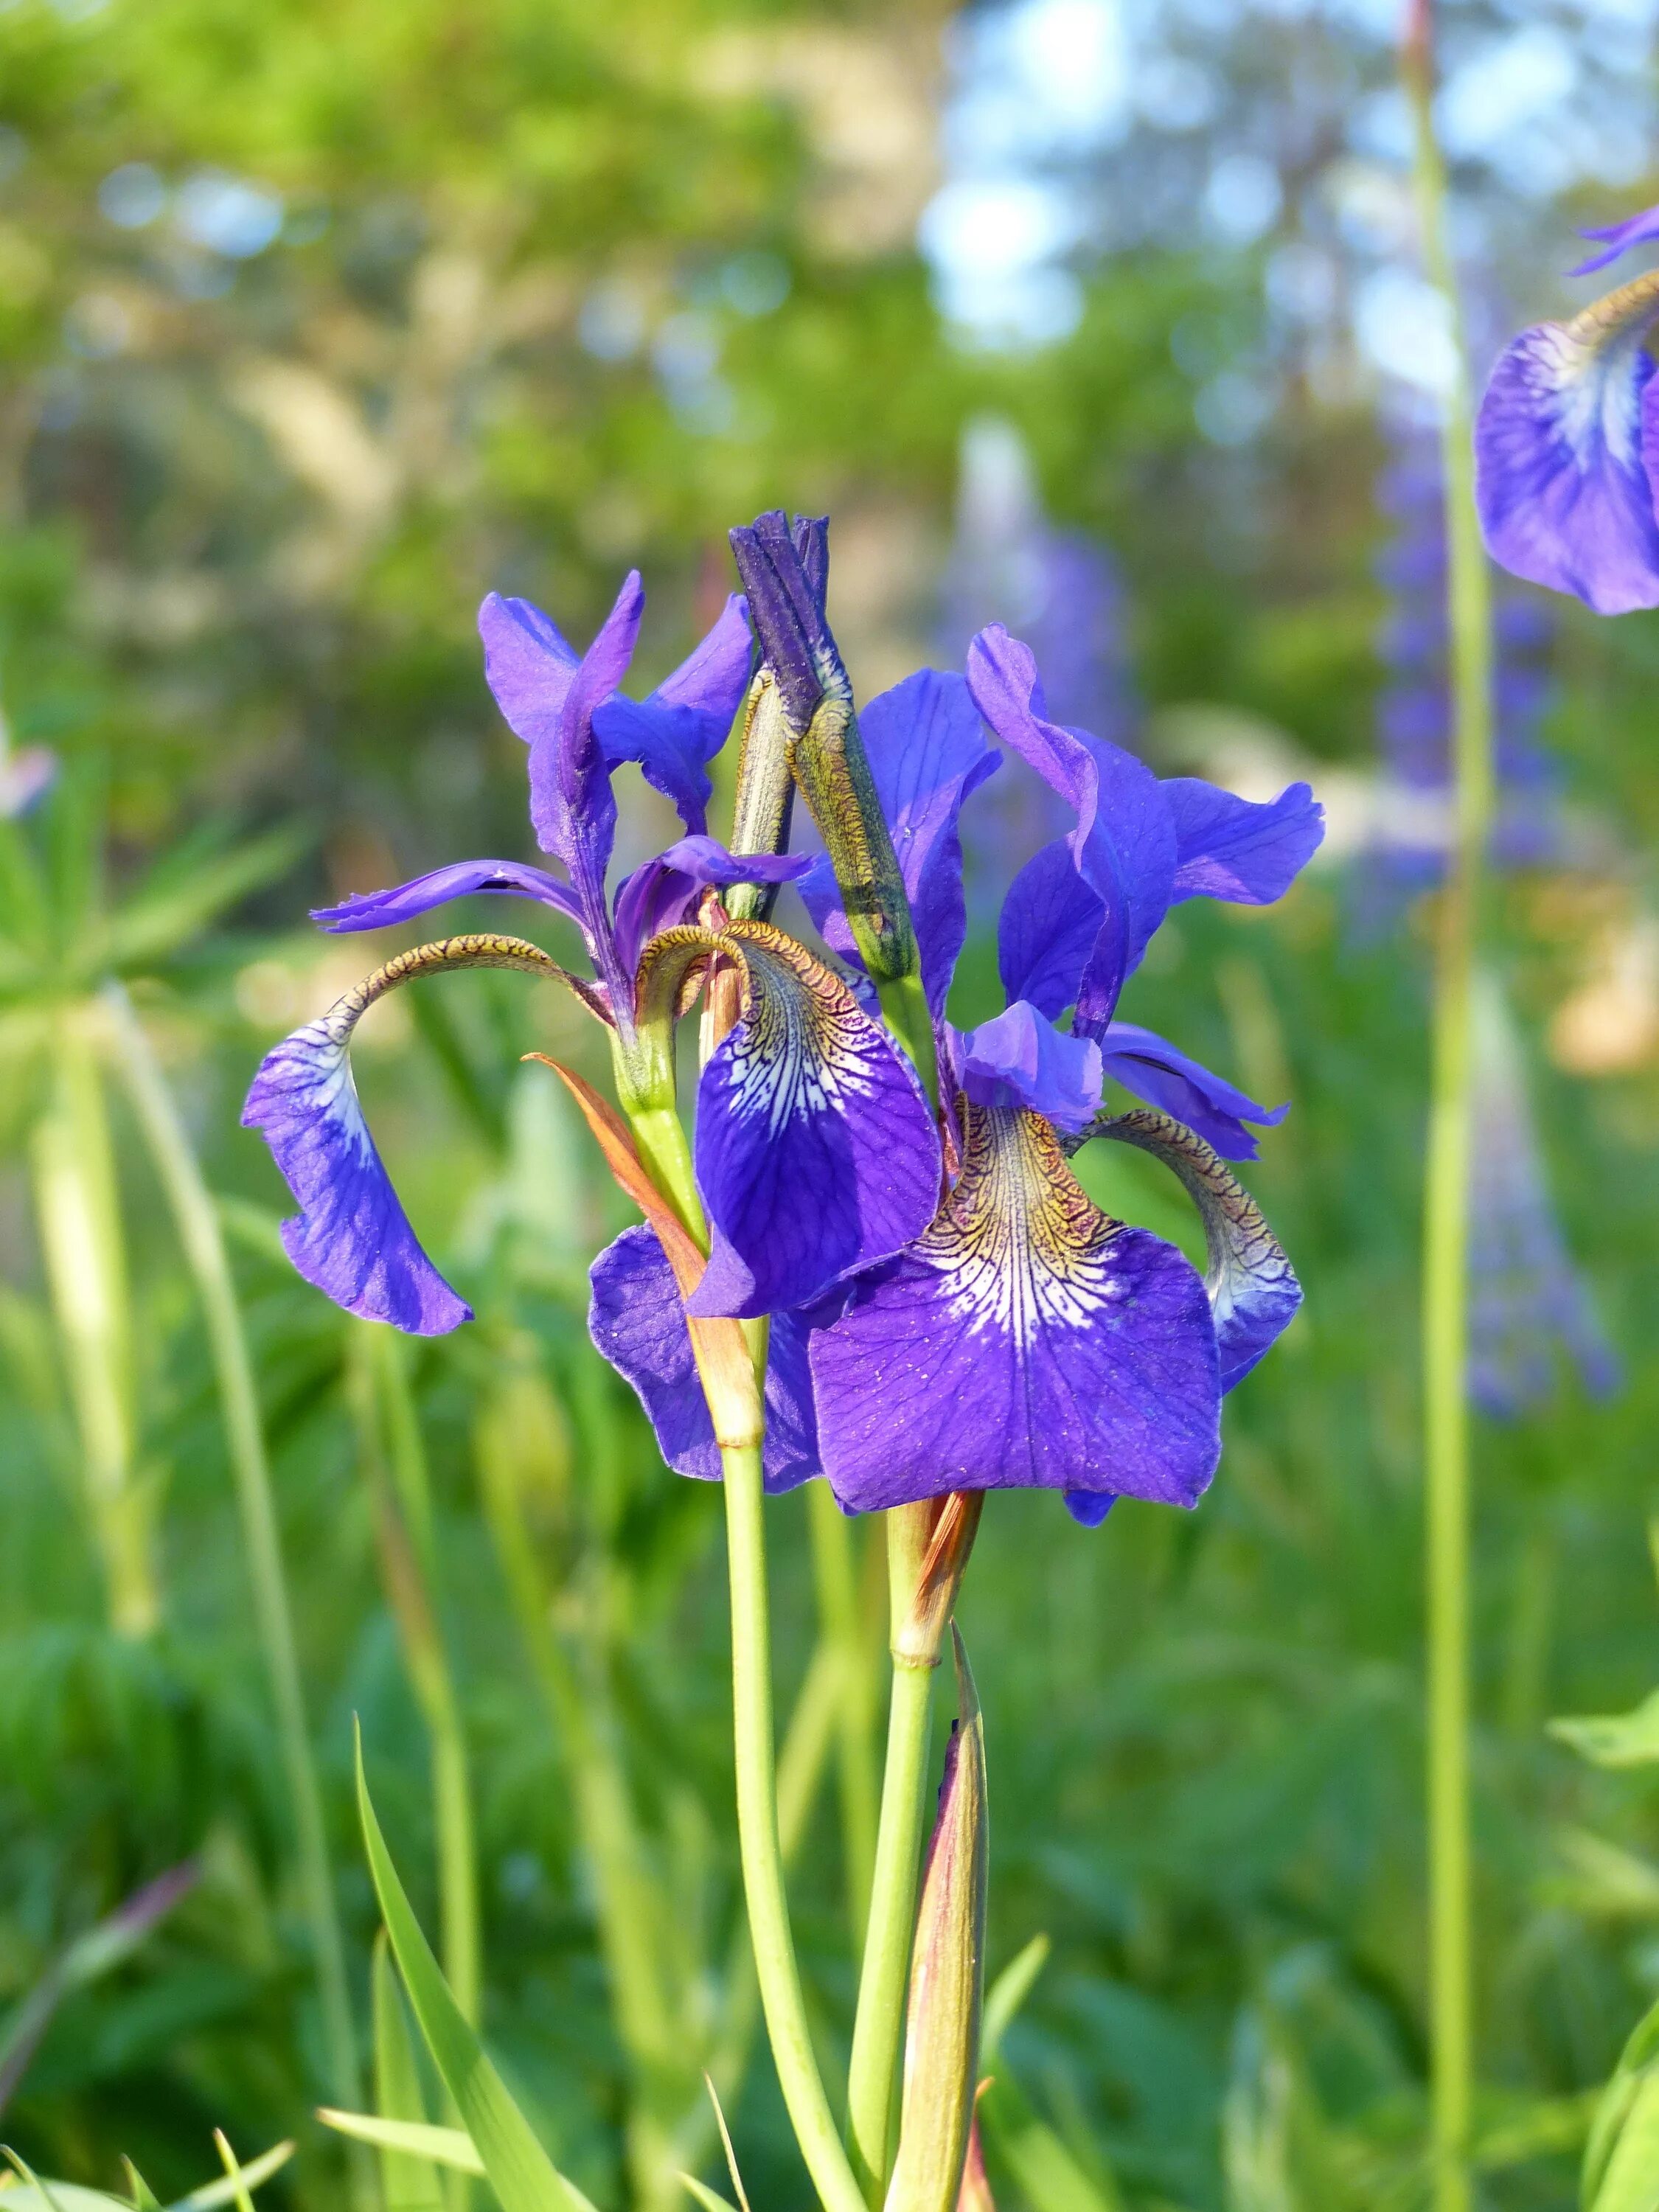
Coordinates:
<point>784,575</point>
<point>947,1975</point>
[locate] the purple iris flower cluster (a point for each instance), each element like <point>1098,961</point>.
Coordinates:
<point>947,1310</point>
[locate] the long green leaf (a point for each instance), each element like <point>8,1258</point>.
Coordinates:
<point>710,2199</point>
<point>408,2182</point>
<point>520,2170</point>
<point>412,2139</point>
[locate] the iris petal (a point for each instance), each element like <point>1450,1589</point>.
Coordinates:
<point>1124,843</point>
<point>461,879</point>
<point>351,1236</point>
<point>1143,1062</point>
<point>1021,1060</point>
<point>549,698</point>
<point>1563,455</point>
<point>815,1151</point>
<point>1233,848</point>
<point>1617,237</point>
<point>665,891</point>
<point>1253,1290</point>
<point>638,1324</point>
<point>1047,927</point>
<point>1024,1341</point>
<point>676,730</point>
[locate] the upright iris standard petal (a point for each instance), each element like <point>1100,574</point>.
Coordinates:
<point>1146,1063</point>
<point>638,1324</point>
<point>1254,1293</point>
<point>1025,1340</point>
<point>676,730</point>
<point>927,756</point>
<point>1233,848</point>
<point>1565,473</point>
<point>1617,237</point>
<point>1048,928</point>
<point>461,879</point>
<point>815,1151</point>
<point>664,892</point>
<point>551,705</point>
<point>1021,1060</point>
<point>1123,846</point>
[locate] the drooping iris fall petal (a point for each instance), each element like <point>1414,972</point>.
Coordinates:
<point>351,1236</point>
<point>1563,453</point>
<point>638,1324</point>
<point>816,1151</point>
<point>1025,1340</point>
<point>1252,1291</point>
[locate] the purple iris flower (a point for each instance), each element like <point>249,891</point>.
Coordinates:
<point>1567,445</point>
<point>775,1120</point>
<point>1024,1339</point>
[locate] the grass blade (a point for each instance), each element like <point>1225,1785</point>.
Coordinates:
<point>413,2140</point>
<point>520,2170</point>
<point>409,2183</point>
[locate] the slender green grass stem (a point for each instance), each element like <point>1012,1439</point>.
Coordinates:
<point>198,1222</point>
<point>878,2023</point>
<point>78,1214</point>
<point>1446,1204</point>
<point>396,1461</point>
<point>776,1968</point>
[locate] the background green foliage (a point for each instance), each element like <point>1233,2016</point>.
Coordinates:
<point>554,290</point>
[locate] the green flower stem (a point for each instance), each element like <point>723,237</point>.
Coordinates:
<point>197,1221</point>
<point>78,1215</point>
<point>904,1009</point>
<point>389,1433</point>
<point>758,1835</point>
<point>1446,1204</point>
<point>878,2023</point>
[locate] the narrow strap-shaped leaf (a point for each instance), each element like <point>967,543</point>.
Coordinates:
<point>520,2172</point>
<point>415,2140</point>
<point>409,2183</point>
<point>214,2193</point>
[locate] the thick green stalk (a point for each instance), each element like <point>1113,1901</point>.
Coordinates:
<point>883,1979</point>
<point>390,1439</point>
<point>1446,1203</point>
<point>198,1222</point>
<point>841,1625</point>
<point>758,1835</point>
<point>78,1215</point>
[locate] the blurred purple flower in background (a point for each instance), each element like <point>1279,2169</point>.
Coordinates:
<point>1414,708</point>
<point>1529,1307</point>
